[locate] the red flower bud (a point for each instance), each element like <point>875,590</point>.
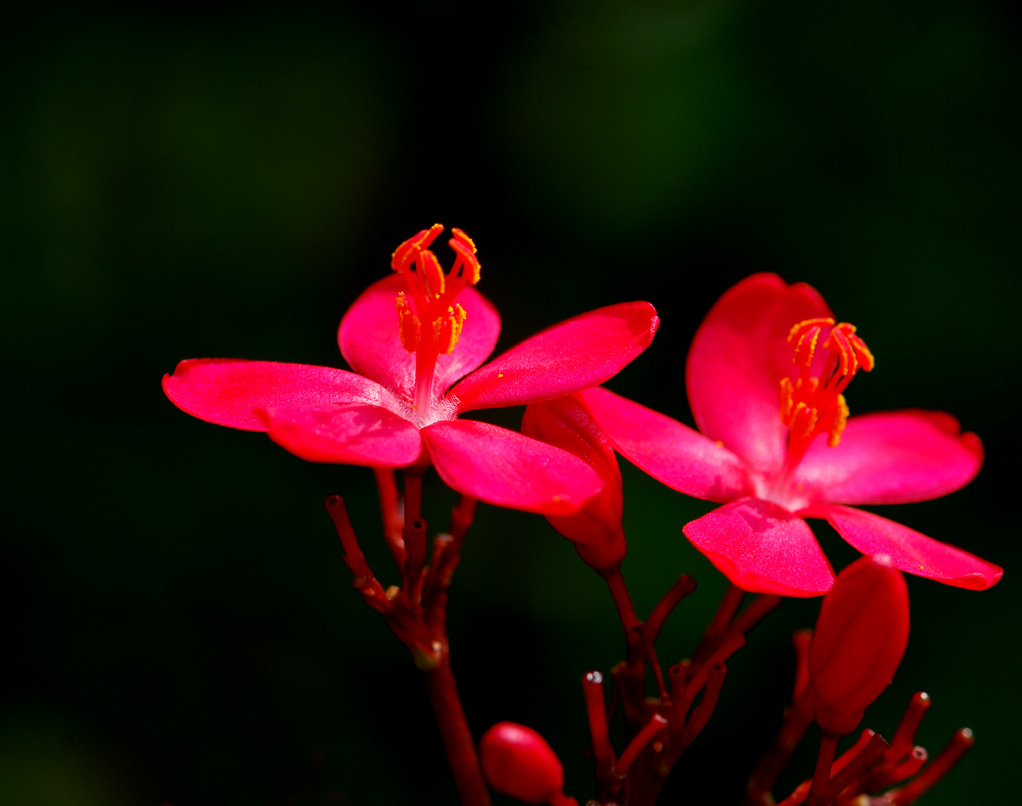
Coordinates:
<point>518,762</point>
<point>859,641</point>
<point>596,529</point>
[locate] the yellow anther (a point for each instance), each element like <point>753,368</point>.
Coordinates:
<point>447,329</point>
<point>787,400</point>
<point>838,423</point>
<point>408,323</point>
<point>467,254</point>
<point>461,236</point>
<point>806,324</point>
<point>431,270</point>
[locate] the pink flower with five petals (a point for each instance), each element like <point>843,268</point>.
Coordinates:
<point>416,370</point>
<point>765,375</point>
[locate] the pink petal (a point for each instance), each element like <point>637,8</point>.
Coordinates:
<point>910,551</point>
<point>370,343</point>
<point>669,451</point>
<point>737,360</point>
<point>347,433</point>
<point>762,548</point>
<point>891,458</point>
<point>228,391</point>
<point>504,468</point>
<point>578,353</point>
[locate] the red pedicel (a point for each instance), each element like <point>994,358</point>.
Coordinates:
<point>859,641</point>
<point>518,762</point>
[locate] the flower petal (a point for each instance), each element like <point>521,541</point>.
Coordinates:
<point>737,360</point>
<point>370,342</point>
<point>228,391</point>
<point>891,458</point>
<point>578,353</point>
<point>347,433</point>
<point>507,469</point>
<point>762,548</point>
<point>910,551</point>
<point>669,451</point>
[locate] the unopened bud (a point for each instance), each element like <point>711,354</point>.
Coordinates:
<point>518,762</point>
<point>859,641</point>
<point>595,530</point>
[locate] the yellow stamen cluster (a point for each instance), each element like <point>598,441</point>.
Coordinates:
<point>814,404</point>
<point>431,293</point>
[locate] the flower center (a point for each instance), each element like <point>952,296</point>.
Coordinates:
<point>814,404</point>
<point>429,319</point>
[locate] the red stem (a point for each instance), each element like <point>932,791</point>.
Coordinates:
<point>450,719</point>
<point>414,537</point>
<point>887,777</point>
<point>363,578</point>
<point>682,587</point>
<point>633,676</point>
<point>855,768</point>
<point>596,710</point>
<point>655,726</point>
<point>697,675</point>
<point>797,720</point>
<point>935,770</point>
<point>390,514</point>
<point>761,607</point>
<point>729,605</point>
<point>904,736</point>
<point>821,777</point>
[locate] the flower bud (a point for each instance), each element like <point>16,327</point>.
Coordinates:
<point>595,530</point>
<point>518,762</point>
<point>859,641</point>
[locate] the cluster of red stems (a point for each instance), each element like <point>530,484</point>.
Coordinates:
<point>766,377</point>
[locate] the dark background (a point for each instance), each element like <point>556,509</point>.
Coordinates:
<point>176,624</point>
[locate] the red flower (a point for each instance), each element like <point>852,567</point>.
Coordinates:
<point>759,453</point>
<point>415,376</point>
<point>858,643</point>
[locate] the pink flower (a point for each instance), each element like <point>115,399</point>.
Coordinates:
<point>766,375</point>
<point>414,339</point>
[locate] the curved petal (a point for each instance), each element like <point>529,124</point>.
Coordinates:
<point>910,551</point>
<point>228,391</point>
<point>346,433</point>
<point>370,343</point>
<point>504,468</point>
<point>762,548</point>
<point>578,353</point>
<point>891,458</point>
<point>737,360</point>
<point>669,451</point>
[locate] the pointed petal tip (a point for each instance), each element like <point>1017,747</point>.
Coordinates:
<point>910,551</point>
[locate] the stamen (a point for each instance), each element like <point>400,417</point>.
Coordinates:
<point>814,404</point>
<point>431,270</point>
<point>429,319</point>
<point>408,323</point>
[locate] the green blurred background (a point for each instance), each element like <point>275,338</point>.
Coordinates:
<point>176,623</point>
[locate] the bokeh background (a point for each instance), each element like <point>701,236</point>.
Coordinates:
<point>176,624</point>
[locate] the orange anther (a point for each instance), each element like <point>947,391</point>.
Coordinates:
<point>431,270</point>
<point>801,327</point>
<point>429,320</point>
<point>812,405</point>
<point>461,236</point>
